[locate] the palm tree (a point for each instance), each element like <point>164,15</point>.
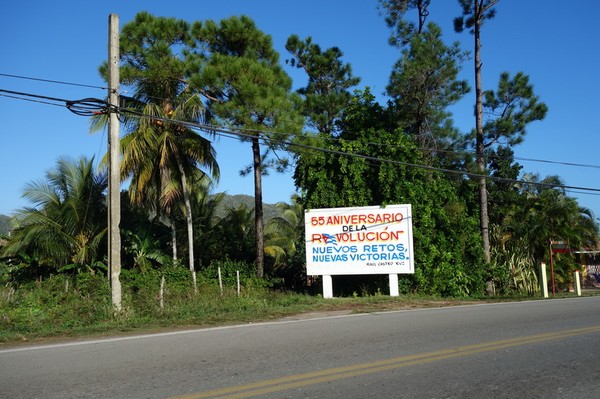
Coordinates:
<point>67,222</point>
<point>161,153</point>
<point>144,250</point>
<point>283,232</point>
<point>205,208</point>
<point>236,231</point>
<point>285,239</point>
<point>160,150</point>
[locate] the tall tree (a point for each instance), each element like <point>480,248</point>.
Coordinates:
<point>446,238</point>
<point>329,79</point>
<point>508,111</point>
<point>160,151</point>
<point>176,153</point>
<point>423,85</point>
<point>475,12</point>
<point>424,81</point>
<point>250,92</point>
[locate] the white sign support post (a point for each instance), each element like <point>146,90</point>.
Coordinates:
<point>394,285</point>
<point>327,286</point>
<point>362,240</point>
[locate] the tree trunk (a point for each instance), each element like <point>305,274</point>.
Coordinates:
<point>190,226</point>
<point>173,239</point>
<point>258,208</point>
<point>167,214</point>
<point>483,201</point>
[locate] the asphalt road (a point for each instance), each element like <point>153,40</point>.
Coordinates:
<point>535,349</point>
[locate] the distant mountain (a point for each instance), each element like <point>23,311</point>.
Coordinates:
<point>5,225</point>
<point>234,201</point>
<point>229,202</point>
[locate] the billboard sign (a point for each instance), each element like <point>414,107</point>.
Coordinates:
<point>360,240</point>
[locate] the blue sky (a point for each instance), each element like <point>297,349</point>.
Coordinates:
<point>554,42</point>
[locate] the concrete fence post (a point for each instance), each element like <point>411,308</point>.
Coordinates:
<point>544,280</point>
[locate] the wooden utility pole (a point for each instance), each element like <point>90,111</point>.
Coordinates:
<point>114,183</point>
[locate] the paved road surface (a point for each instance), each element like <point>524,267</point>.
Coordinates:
<point>536,349</point>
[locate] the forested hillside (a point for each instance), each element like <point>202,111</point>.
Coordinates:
<point>235,201</point>
<point>4,225</point>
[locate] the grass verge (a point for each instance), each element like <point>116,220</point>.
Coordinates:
<point>58,310</point>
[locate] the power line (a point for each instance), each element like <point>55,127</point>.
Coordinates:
<point>488,156</point>
<point>83,107</point>
<point>495,156</point>
<point>580,165</point>
<point>94,106</point>
<point>574,164</point>
<point>20,93</point>
<point>241,133</point>
<point>31,100</point>
<point>52,81</point>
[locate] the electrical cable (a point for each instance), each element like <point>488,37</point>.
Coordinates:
<point>83,107</point>
<point>19,93</point>
<point>52,81</point>
<point>471,153</point>
<point>369,143</point>
<point>30,100</point>
<point>94,106</point>
<point>240,133</point>
<point>88,107</point>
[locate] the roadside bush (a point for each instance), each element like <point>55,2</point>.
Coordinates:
<point>59,303</point>
<point>229,269</point>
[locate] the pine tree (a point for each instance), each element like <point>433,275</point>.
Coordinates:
<point>249,92</point>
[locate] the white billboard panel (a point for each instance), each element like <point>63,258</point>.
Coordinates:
<point>361,240</point>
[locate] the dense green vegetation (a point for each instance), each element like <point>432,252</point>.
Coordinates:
<point>482,224</point>
<point>5,225</point>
